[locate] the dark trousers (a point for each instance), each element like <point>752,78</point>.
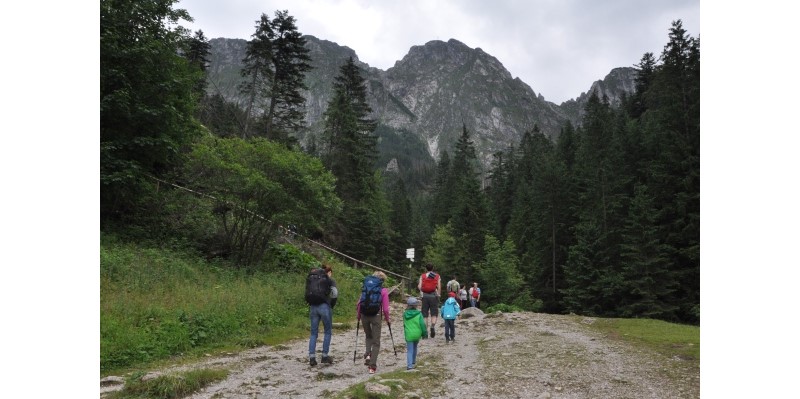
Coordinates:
<point>450,328</point>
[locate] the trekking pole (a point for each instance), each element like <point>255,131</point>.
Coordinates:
<point>355,346</point>
<point>392,337</point>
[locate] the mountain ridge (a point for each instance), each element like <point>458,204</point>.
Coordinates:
<point>435,90</point>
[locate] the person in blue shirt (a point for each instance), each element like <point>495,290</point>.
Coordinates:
<point>450,311</point>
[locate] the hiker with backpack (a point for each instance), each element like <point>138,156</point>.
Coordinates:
<point>450,311</point>
<point>413,328</point>
<point>374,300</point>
<point>453,285</point>
<point>321,296</point>
<point>430,285</point>
<point>475,296</point>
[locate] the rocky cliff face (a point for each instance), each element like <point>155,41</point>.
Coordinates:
<point>617,82</point>
<point>431,93</point>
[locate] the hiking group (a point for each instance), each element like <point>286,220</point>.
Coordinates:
<point>373,306</point>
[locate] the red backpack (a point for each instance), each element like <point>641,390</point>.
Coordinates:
<point>475,293</point>
<point>430,281</point>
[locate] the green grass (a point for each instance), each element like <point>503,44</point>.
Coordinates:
<point>669,339</point>
<point>169,386</point>
<point>160,305</point>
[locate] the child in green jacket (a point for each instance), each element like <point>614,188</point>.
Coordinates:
<point>414,328</point>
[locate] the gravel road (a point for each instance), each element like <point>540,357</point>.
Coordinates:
<point>511,355</point>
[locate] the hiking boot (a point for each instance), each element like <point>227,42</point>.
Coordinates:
<point>312,361</point>
<point>327,360</point>
<point>366,359</point>
<point>372,370</point>
<point>433,332</point>
<point>447,339</point>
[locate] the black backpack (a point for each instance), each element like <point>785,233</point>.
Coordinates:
<point>318,286</point>
<point>371,297</point>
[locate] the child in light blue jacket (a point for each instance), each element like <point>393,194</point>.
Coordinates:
<point>449,311</point>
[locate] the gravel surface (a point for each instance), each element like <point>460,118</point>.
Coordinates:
<point>513,355</point>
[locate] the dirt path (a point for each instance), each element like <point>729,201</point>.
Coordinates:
<point>515,355</point>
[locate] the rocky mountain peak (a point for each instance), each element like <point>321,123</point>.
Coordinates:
<point>430,94</point>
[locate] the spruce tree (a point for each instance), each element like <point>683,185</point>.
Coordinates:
<point>274,69</point>
<point>257,73</point>
<point>350,154</point>
<point>671,130</point>
<point>469,218</point>
<point>442,192</point>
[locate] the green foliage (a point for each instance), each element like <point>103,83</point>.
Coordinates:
<point>459,202</point>
<point>157,303</point>
<point>147,99</point>
<point>363,230</point>
<point>274,69</point>
<point>500,277</point>
<point>170,386</point>
<point>290,259</point>
<point>669,339</point>
<point>259,185</point>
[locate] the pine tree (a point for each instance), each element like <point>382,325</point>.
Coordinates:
<point>275,64</point>
<point>350,154</point>
<point>671,129</point>
<point>257,71</point>
<point>649,283</point>
<point>442,192</point>
<point>197,53</point>
<point>290,62</point>
<point>469,217</point>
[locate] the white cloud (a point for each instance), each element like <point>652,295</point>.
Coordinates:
<point>557,47</point>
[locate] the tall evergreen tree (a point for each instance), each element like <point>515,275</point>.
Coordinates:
<point>290,63</point>
<point>198,51</point>
<point>671,129</point>
<point>257,72</point>
<point>469,217</point>
<point>350,154</point>
<point>442,192</point>
<point>500,192</point>
<point>275,64</point>
<point>650,285</point>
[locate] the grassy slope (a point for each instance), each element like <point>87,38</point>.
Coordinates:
<point>158,304</point>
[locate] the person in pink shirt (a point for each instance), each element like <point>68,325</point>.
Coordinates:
<point>372,325</point>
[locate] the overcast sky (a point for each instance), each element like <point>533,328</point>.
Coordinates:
<point>558,47</point>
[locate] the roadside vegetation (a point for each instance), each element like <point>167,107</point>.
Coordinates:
<point>160,304</point>
<point>669,339</point>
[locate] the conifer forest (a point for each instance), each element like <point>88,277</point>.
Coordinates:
<point>604,220</point>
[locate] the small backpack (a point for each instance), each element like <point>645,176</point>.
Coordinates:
<point>452,286</point>
<point>371,298</point>
<point>318,286</point>
<point>449,309</point>
<point>475,293</point>
<point>429,282</point>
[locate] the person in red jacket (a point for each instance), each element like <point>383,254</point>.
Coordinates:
<point>430,285</point>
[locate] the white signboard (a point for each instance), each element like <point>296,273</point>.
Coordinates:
<point>410,254</point>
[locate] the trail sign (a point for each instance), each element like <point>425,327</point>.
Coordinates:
<point>410,254</point>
